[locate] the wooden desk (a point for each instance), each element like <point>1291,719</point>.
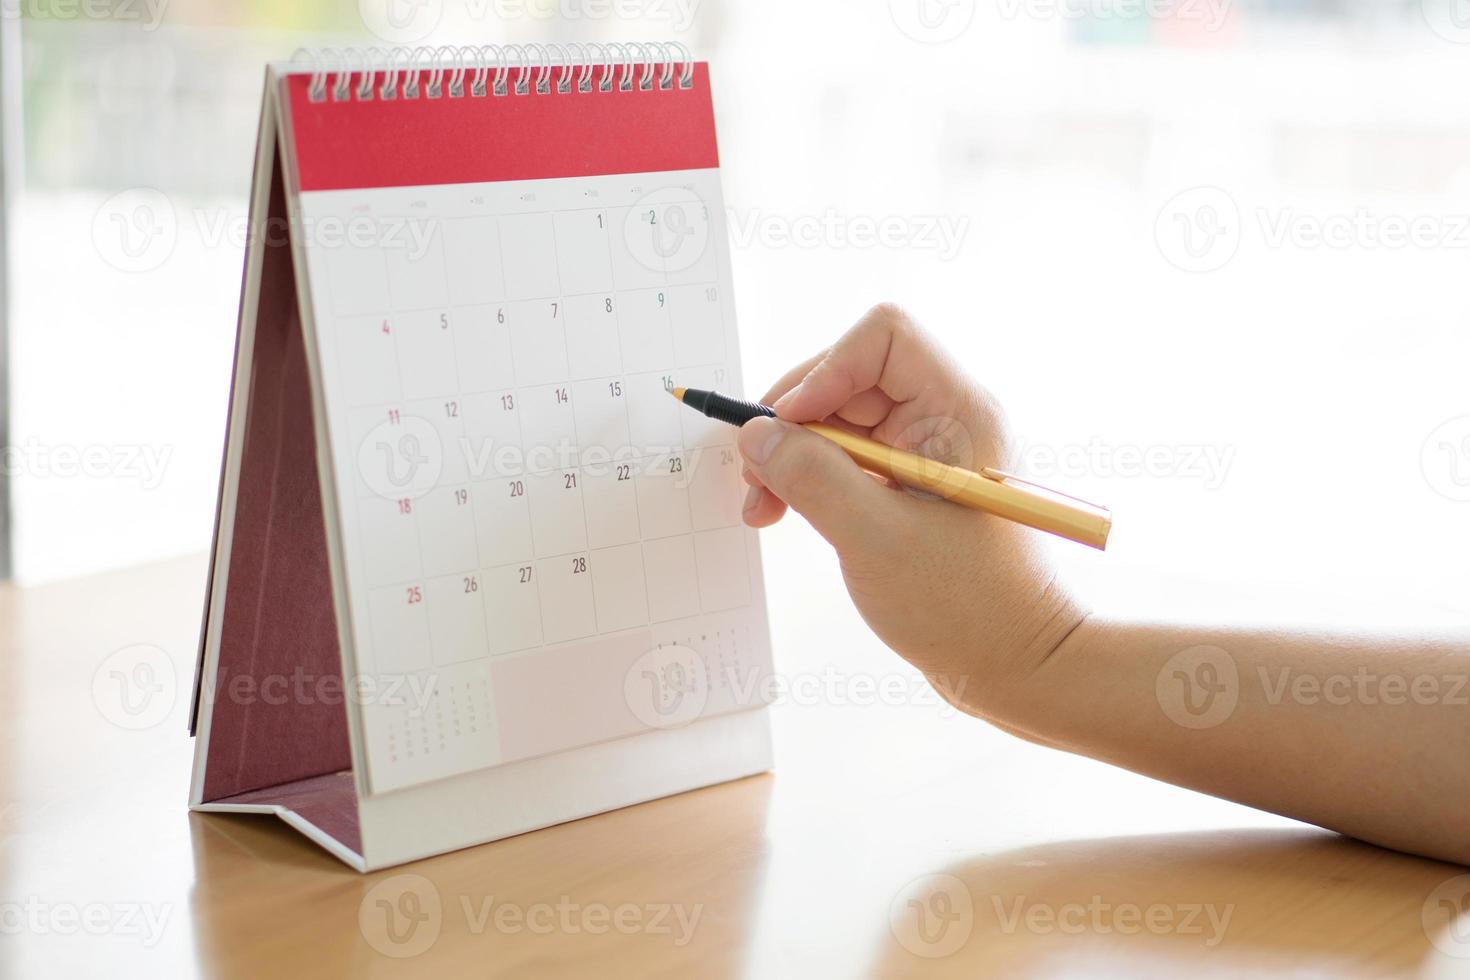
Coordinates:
<point>1066,867</point>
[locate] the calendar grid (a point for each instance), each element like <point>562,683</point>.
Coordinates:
<point>515,351</point>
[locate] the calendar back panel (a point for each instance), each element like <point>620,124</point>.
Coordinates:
<point>276,701</point>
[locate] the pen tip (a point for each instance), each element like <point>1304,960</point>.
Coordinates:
<point>677,393</point>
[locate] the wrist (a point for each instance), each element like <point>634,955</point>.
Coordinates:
<point>1028,680</point>
<point>1040,703</point>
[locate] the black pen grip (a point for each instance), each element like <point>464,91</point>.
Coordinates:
<point>723,408</point>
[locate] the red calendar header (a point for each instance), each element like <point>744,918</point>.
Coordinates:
<point>467,139</point>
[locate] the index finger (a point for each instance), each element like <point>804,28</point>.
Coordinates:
<point>792,378</point>
<point>884,350</point>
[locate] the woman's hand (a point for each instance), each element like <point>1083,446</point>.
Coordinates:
<point>972,602</point>
<point>968,598</point>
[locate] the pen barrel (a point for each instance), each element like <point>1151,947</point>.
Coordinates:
<point>1024,504</point>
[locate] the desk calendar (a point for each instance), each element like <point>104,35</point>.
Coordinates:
<point>499,576</point>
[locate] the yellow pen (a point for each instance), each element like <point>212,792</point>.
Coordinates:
<point>990,490</point>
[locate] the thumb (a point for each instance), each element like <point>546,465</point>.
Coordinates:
<point>819,481</point>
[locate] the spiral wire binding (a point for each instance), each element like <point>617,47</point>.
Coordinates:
<point>494,69</point>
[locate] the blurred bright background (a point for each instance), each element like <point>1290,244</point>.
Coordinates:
<point>1212,255</point>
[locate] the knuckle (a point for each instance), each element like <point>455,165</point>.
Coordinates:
<point>886,322</point>
<point>890,319</point>
<point>824,363</point>
<point>888,312</point>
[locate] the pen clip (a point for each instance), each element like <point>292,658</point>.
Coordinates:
<point>1001,476</point>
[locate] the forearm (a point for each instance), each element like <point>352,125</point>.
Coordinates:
<point>1369,736</point>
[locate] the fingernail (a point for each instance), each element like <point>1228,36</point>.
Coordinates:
<point>752,497</point>
<point>790,396</point>
<point>758,445</point>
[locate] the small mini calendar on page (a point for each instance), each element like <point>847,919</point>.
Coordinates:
<point>476,572</point>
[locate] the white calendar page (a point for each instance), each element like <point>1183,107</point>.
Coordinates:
<point>540,544</point>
